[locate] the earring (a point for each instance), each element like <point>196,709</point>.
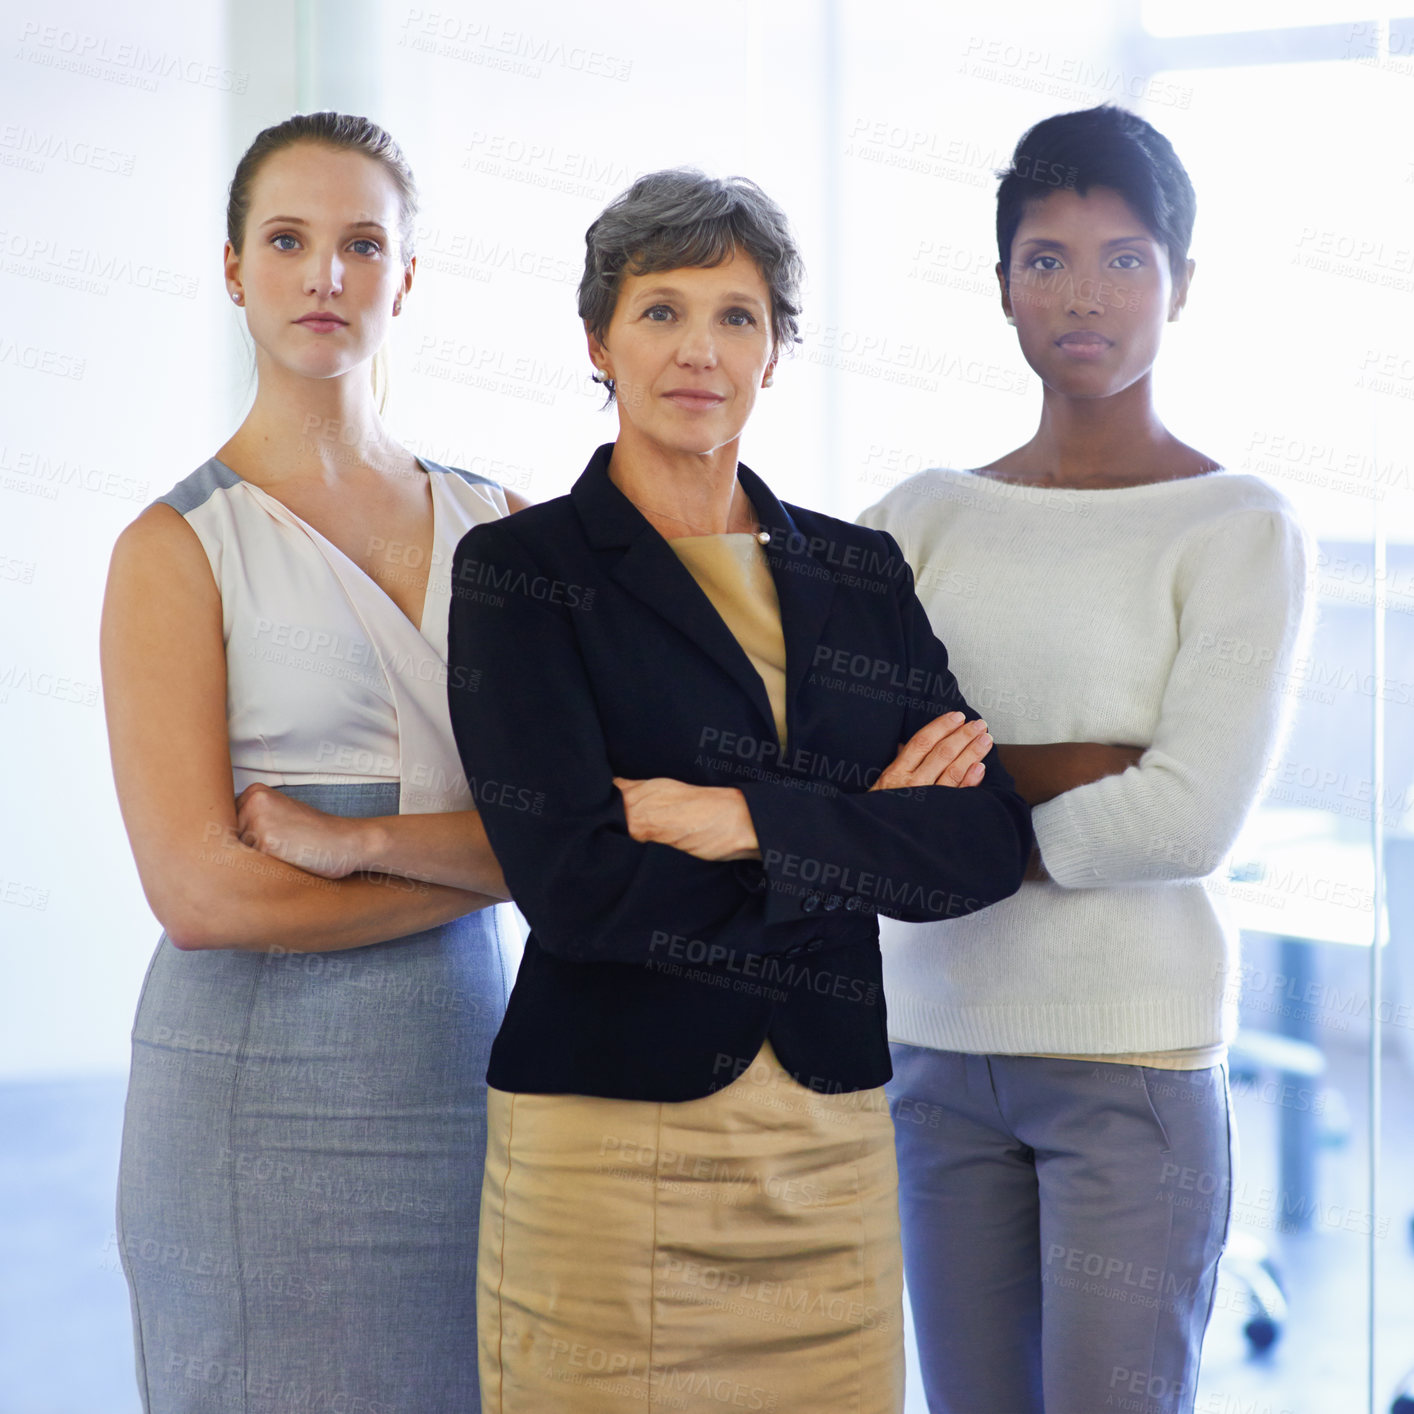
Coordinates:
<point>237,297</point>
<point>599,376</point>
<point>1011,319</point>
<point>397,306</point>
<point>769,379</point>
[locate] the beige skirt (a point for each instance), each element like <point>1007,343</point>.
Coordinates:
<point>740,1251</point>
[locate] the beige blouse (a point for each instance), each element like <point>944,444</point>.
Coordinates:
<point>732,572</point>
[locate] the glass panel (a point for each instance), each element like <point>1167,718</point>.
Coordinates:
<point>1175,17</point>
<point>1314,280</point>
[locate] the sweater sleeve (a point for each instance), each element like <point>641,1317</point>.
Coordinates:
<point>1240,595</point>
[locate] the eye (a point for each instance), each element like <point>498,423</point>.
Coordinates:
<point>1138,264</point>
<point>658,313</point>
<point>373,248</point>
<point>284,236</point>
<point>740,318</point>
<point>1037,265</point>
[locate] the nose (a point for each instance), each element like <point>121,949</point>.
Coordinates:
<point>324,274</point>
<point>697,347</point>
<point>1086,295</point>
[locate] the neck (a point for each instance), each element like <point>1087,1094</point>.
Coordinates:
<point>1097,441</point>
<point>681,493</point>
<point>312,428</point>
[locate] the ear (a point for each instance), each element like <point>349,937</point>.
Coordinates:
<point>769,372</point>
<point>1005,291</point>
<point>1179,298</point>
<point>408,274</point>
<point>231,267</point>
<point>598,351</point>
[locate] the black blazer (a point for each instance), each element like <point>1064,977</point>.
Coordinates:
<point>581,648</point>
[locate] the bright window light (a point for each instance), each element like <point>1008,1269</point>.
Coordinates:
<point>1176,17</point>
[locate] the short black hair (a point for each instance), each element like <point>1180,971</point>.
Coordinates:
<point>1100,147</point>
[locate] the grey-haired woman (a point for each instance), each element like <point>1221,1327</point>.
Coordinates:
<point>690,1196</point>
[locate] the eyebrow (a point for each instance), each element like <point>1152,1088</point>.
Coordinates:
<point>300,221</point>
<point>1119,240</point>
<point>735,296</point>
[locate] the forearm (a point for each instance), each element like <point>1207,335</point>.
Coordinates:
<point>1044,771</point>
<point>232,896</point>
<point>448,848</point>
<point>919,853</point>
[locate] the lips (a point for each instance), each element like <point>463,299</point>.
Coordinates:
<point>694,398</point>
<point>1084,346</point>
<point>322,322</point>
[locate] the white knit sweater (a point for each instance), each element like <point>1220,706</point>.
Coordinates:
<point>1159,616</point>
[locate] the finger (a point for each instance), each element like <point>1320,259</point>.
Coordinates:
<point>948,761</point>
<point>954,772</point>
<point>951,750</point>
<point>958,773</point>
<point>912,752</point>
<point>905,768</point>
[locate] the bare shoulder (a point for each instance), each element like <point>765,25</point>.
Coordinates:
<point>159,542</point>
<point>515,501</point>
<point>160,581</point>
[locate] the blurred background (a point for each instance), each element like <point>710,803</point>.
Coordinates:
<point>879,128</point>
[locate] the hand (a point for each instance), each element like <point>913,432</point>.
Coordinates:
<point>948,751</point>
<point>297,833</point>
<point>708,822</point>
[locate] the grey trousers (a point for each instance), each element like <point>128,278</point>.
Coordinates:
<point>1062,1222</point>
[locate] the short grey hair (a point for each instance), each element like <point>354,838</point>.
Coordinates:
<point>682,217</point>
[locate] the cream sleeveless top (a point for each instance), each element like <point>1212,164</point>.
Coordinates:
<point>327,680</point>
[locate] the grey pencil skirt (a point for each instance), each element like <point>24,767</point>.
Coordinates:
<point>301,1168</point>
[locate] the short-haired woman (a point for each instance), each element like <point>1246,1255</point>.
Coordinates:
<point>690,1196</point>
<point>305,1126</point>
<point>1060,1088</point>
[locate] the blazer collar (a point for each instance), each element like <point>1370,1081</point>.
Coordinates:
<point>653,573</point>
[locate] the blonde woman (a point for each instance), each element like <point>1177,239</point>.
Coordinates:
<point>306,1114</point>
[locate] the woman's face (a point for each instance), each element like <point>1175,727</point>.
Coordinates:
<point>322,269</point>
<point>1090,289</point>
<point>687,350</point>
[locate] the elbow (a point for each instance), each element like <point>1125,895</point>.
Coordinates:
<point>1011,859</point>
<point>1016,850</point>
<point>194,929</point>
<point>1176,858</point>
<point>1191,849</point>
<point>1171,837</point>
<point>185,923</point>
<point>1021,860</point>
<point>191,923</point>
<point>187,934</point>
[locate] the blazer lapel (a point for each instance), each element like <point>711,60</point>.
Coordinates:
<point>650,571</point>
<point>805,587</point>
